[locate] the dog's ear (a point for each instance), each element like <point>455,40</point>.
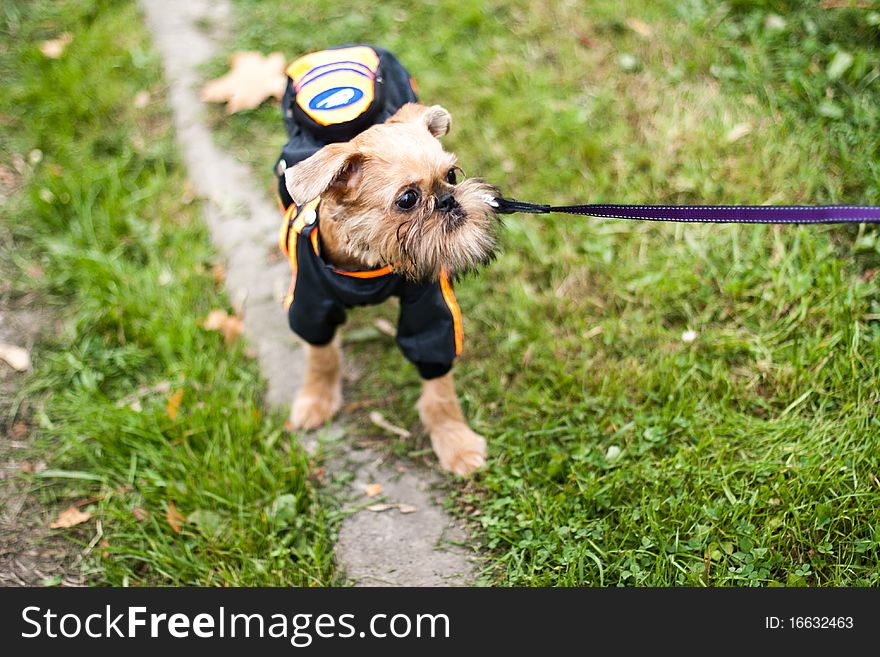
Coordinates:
<point>435,118</point>
<point>335,168</point>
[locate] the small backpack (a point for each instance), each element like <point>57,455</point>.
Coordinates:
<point>332,95</point>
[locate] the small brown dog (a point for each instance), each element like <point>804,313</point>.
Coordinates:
<point>384,214</point>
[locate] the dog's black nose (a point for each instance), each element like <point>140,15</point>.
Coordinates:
<point>447,203</point>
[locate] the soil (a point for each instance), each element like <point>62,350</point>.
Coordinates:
<point>31,554</point>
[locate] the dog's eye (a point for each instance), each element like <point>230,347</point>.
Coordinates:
<point>408,199</point>
<point>452,177</point>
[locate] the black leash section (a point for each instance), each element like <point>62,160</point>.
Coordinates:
<point>711,214</point>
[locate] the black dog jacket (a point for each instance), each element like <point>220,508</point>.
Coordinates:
<point>331,96</point>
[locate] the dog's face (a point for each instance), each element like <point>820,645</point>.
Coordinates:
<point>397,198</point>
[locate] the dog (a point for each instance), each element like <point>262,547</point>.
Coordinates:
<point>374,207</point>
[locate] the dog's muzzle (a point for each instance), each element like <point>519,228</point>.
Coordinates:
<point>447,203</point>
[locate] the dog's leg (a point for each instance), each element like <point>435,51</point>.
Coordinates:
<point>321,394</point>
<point>459,449</point>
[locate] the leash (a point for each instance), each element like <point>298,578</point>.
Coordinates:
<point>711,214</point>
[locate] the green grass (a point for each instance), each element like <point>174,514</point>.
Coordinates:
<point>103,217</point>
<point>749,456</point>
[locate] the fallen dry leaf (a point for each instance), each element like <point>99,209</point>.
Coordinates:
<point>19,430</point>
<point>139,514</point>
<point>215,320</point>
<point>320,475</point>
<point>385,326</point>
<point>174,517</point>
<point>585,40</point>
<point>378,419</point>
<point>230,325</point>
<point>70,517</point>
<point>7,178</point>
<point>218,273</point>
<point>373,489</point>
<point>739,131</point>
<point>141,99</point>
<point>640,27</point>
<point>356,405</point>
<point>54,48</point>
<point>17,357</point>
<point>252,78</point>
<point>403,508</point>
<point>172,407</point>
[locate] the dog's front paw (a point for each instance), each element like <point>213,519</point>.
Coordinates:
<point>459,449</point>
<point>311,411</point>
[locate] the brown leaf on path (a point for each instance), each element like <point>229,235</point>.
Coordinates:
<point>379,420</point>
<point>230,325</point>
<point>640,27</point>
<point>172,407</point>
<point>373,489</point>
<point>406,508</point>
<point>174,517</point>
<point>252,78</point>
<point>54,48</point>
<point>17,357</point>
<point>379,508</point>
<point>70,517</point>
<point>139,514</point>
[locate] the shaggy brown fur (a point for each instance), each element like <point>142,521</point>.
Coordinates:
<point>366,186</point>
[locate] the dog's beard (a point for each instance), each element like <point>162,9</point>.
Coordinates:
<point>426,242</point>
<point>455,242</point>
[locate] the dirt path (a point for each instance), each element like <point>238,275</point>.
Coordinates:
<point>421,548</point>
<point>30,553</point>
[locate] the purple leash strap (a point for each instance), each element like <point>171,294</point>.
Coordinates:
<point>713,214</point>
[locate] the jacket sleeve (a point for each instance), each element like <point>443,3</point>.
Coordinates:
<point>429,330</point>
<point>312,311</point>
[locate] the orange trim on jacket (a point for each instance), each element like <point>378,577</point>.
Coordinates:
<point>368,273</point>
<point>291,227</point>
<point>449,298</point>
